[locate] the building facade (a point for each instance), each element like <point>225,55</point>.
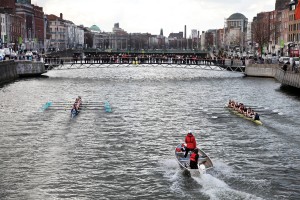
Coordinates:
<point>236,31</point>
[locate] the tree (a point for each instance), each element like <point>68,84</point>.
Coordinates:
<point>261,31</point>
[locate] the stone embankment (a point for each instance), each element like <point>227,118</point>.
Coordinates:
<point>10,70</point>
<point>289,77</point>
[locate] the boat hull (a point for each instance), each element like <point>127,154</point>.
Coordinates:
<point>258,122</point>
<point>204,161</point>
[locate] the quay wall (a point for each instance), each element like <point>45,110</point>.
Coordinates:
<point>8,71</point>
<point>29,68</point>
<point>288,77</point>
<point>261,70</point>
<point>11,70</point>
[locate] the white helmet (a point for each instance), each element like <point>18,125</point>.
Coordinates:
<point>190,131</point>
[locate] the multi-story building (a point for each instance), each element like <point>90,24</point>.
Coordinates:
<point>175,40</point>
<point>209,40</point>
<point>58,31</point>
<point>39,36</point>
<point>2,29</point>
<point>63,34</point>
<point>24,9</point>
<point>236,31</point>
<point>220,40</point>
<point>294,31</point>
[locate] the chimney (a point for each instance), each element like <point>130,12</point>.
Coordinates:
<point>61,16</point>
<point>184,31</point>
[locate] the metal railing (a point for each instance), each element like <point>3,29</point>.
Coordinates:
<point>168,62</point>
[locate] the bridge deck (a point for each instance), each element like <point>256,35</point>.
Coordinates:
<point>189,63</point>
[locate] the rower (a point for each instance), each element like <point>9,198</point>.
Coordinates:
<point>256,116</point>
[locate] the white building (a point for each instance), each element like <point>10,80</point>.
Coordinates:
<point>64,34</point>
<point>3,29</point>
<point>236,30</point>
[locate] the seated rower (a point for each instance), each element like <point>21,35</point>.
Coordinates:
<point>241,108</point>
<point>74,107</point>
<point>248,114</point>
<point>245,111</point>
<point>236,106</point>
<point>256,116</point>
<point>230,102</point>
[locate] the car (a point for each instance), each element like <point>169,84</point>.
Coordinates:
<point>7,52</point>
<point>29,53</point>
<point>13,55</point>
<point>2,54</point>
<point>284,60</point>
<point>296,59</point>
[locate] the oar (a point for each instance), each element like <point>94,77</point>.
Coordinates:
<point>107,107</point>
<point>261,115</point>
<point>218,117</point>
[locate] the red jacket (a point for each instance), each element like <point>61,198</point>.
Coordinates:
<point>190,141</point>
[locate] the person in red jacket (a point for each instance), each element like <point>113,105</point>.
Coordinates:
<point>194,159</point>
<point>190,143</point>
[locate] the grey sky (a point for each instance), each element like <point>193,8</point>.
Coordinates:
<point>152,15</point>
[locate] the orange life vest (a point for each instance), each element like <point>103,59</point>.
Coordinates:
<point>193,157</point>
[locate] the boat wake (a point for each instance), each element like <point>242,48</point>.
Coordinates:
<point>209,185</point>
<point>218,189</point>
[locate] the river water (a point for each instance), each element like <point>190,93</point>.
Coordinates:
<point>129,153</point>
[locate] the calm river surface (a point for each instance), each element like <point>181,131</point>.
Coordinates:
<point>129,153</point>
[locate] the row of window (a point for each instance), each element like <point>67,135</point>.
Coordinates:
<point>294,27</point>
<point>294,37</point>
<point>56,29</point>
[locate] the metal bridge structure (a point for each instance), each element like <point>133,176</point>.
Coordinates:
<point>115,62</point>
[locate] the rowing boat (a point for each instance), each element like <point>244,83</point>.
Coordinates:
<point>76,107</point>
<point>258,122</point>
<point>204,162</point>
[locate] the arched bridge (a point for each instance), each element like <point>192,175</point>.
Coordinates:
<point>167,61</point>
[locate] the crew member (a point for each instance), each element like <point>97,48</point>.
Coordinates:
<point>190,143</point>
<point>194,159</point>
<point>256,116</point>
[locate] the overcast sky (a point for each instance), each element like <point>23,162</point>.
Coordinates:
<point>142,16</point>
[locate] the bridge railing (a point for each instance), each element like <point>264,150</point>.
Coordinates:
<point>145,60</point>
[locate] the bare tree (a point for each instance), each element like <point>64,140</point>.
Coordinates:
<point>261,31</point>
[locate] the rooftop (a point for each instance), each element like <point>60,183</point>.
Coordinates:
<point>237,16</point>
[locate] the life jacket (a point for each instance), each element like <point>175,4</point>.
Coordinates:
<point>190,141</point>
<point>193,157</point>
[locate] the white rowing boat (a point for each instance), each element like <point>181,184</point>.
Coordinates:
<point>204,162</point>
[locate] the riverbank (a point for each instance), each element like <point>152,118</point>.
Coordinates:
<point>11,70</point>
<point>288,77</point>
